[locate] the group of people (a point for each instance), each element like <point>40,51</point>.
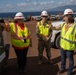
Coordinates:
<point>21,39</point>
<point>67,38</point>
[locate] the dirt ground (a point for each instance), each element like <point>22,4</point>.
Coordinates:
<point>32,66</point>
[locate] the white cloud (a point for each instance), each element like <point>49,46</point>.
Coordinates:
<point>35,6</point>
<point>60,3</point>
<point>43,3</point>
<point>46,3</point>
<point>22,4</point>
<point>9,6</point>
<point>35,3</point>
<point>52,2</point>
<point>72,1</point>
<point>27,0</point>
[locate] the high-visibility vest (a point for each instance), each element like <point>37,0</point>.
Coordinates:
<point>44,30</point>
<point>17,31</point>
<point>68,38</point>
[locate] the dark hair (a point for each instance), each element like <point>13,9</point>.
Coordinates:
<point>70,18</point>
<point>15,21</point>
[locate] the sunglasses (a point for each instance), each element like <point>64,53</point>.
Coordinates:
<point>44,16</point>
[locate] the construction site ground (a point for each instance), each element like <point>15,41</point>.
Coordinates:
<point>32,59</point>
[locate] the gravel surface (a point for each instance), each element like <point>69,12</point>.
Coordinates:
<point>32,67</point>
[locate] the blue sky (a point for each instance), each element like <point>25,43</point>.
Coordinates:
<point>32,5</point>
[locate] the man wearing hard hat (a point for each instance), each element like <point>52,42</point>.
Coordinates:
<point>67,40</point>
<point>43,31</point>
<point>20,39</point>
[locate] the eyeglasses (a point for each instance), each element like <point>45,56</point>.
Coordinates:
<point>64,16</point>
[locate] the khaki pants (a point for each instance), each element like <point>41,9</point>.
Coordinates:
<point>41,46</point>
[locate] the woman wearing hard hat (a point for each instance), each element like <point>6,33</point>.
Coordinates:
<point>67,40</point>
<point>20,39</point>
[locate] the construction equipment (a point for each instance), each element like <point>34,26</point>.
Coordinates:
<point>4,50</point>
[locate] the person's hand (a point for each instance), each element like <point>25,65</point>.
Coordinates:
<point>47,38</point>
<point>30,45</point>
<point>2,24</point>
<point>30,42</point>
<point>75,41</point>
<point>6,22</point>
<point>5,25</point>
<point>44,38</point>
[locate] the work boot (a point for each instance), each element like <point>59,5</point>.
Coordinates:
<point>40,62</point>
<point>61,71</point>
<point>22,71</point>
<point>69,73</point>
<point>50,61</point>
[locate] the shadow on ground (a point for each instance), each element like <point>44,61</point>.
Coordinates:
<point>32,67</point>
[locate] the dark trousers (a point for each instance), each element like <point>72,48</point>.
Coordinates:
<point>21,57</point>
<point>69,55</point>
<point>41,46</point>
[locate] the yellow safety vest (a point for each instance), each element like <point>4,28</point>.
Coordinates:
<point>44,30</point>
<point>19,32</point>
<point>67,38</point>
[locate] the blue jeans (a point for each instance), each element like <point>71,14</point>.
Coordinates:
<point>69,55</point>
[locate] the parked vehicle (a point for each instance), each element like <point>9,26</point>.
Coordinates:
<point>4,51</point>
<point>53,17</point>
<point>38,18</point>
<point>56,35</point>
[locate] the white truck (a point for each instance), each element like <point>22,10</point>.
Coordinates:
<point>4,51</point>
<point>56,35</point>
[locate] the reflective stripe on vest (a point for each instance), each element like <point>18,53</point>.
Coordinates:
<point>68,40</point>
<point>19,33</point>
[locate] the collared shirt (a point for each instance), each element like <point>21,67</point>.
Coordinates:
<point>21,26</point>
<point>67,27</point>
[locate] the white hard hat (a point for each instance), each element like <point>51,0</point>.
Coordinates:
<point>19,15</point>
<point>68,11</point>
<point>44,13</point>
